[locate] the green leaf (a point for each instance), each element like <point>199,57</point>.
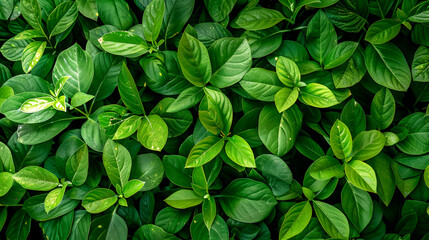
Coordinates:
<point>367,144</point>
<point>385,179</point>
<point>132,187</point>
<point>194,60</point>
<point>350,72</point>
<point>58,228</point>
<point>153,133</point>
<point>278,131</point>
<point>13,48</point>
<point>77,166</point>
<point>88,8</point>
<point>6,9</point>
<point>172,220</point>
<point>387,66</point>
<point>276,172</point>
<point>332,220</point>
<point>77,64</point>
<point>420,65</point>
<point>204,151</point>
<point>36,178</point>
<point>152,232</point>
<point>152,20</point>
<point>209,211</point>
<point>258,18</point>
<point>308,147</point>
<point>416,141</point>
<point>341,140</point>
<point>326,167</point>
<point>115,12</point>
<point>218,231</point>
<point>353,116</point>
<point>383,108</point>
<point>33,105</point>
<point>361,175</point>
<point>295,220</point>
<point>80,98</point>
<point>219,9</point>
<point>60,104</point>
<point>247,200</point>
<point>318,95</point>
<point>340,54</point>
<point>149,169</point>
<point>19,226</point>
<point>186,99</point>
<point>383,31</point>
<point>285,98</point>
<point>31,12</point>
<point>63,17</point>
<point>99,200</point>
<point>6,179</point>
<point>183,199</point>
<point>35,207</point>
<point>128,91</point>
<point>261,84</point>
<point>215,112</point>
<point>357,205</point>
<point>348,17</point>
<point>109,226</point>
<point>321,37</point>
<point>54,198</point>
<point>124,43</point>
<point>29,34</point>
<point>32,54</point>
<point>231,59</point>
<point>288,72</point>
<point>6,159</point>
<point>117,162</point>
<point>175,170</point>
<point>5,93</point>
<point>176,15</point>
<point>239,151</point>
<point>128,127</point>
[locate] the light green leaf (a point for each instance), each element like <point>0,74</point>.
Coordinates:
<point>128,91</point>
<point>215,112</point>
<point>261,84</point>
<point>60,104</point>
<point>383,31</point>
<point>341,140</point>
<point>258,18</point>
<point>152,19</point>
<point>194,60</point>
<point>367,144</point>
<point>80,98</point>
<point>77,166</point>
<point>285,98</point>
<point>99,200</point>
<point>326,167</point>
<point>77,64</point>
<point>231,59</point>
<point>318,95</point>
<point>153,133</point>
<point>117,162</point>
<point>186,99</point>
<point>209,211</point>
<point>63,17</point>
<point>59,85</point>
<point>332,220</point>
<point>123,43</point>
<point>88,8</point>
<point>54,198</point>
<point>32,54</point>
<point>239,151</point>
<point>33,105</point>
<point>204,151</point>
<point>288,72</point>
<point>6,178</point>
<point>351,72</point>
<point>295,220</point>
<point>387,66</point>
<point>128,127</point>
<point>36,178</point>
<point>132,187</point>
<point>361,175</point>
<point>183,199</point>
<point>31,12</point>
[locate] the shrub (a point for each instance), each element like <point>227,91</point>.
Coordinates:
<point>214,119</point>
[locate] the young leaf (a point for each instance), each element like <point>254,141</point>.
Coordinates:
<point>36,178</point>
<point>295,220</point>
<point>361,175</point>
<point>152,19</point>
<point>132,187</point>
<point>128,127</point>
<point>186,99</point>
<point>80,98</point>
<point>318,95</point>
<point>36,104</point>
<point>123,43</point>
<point>77,166</point>
<point>261,84</point>
<point>325,168</point>
<point>183,199</point>
<point>288,72</point>
<point>54,198</point>
<point>215,112</point>
<point>32,55</point>
<point>209,211</point>
<point>285,98</point>
<point>153,133</point>
<point>204,151</point>
<point>332,220</point>
<point>60,104</point>
<point>367,144</point>
<point>341,140</point>
<point>99,200</point>
<point>239,151</point>
<point>117,162</point>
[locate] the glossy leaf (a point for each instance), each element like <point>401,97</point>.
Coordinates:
<point>341,140</point>
<point>259,18</point>
<point>295,220</point>
<point>288,72</point>
<point>117,162</point>
<point>152,20</point>
<point>361,175</point>
<point>63,17</point>
<point>239,151</point>
<point>204,151</point>
<point>32,55</point>
<point>153,133</point>
<point>99,200</point>
<point>128,91</point>
<point>123,43</point>
<point>182,199</point>
<point>383,108</point>
<point>332,220</point>
<point>36,178</point>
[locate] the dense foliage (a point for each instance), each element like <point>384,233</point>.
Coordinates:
<point>214,119</point>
